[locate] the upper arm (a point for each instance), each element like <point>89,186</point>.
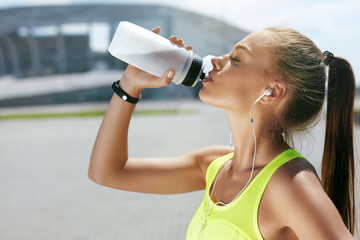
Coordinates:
<point>304,206</point>
<point>180,174</point>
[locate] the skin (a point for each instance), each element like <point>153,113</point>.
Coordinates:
<point>294,204</point>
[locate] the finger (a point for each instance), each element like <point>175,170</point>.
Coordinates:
<point>166,78</point>
<point>173,39</point>
<point>180,42</point>
<point>188,47</point>
<point>156,30</point>
<point>169,77</point>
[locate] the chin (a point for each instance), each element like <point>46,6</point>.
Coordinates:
<point>202,96</point>
<point>205,98</point>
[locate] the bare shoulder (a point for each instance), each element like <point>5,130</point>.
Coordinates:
<point>298,171</point>
<point>293,180</point>
<point>205,156</point>
<point>299,200</point>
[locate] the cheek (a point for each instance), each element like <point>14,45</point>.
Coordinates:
<point>250,82</point>
<point>233,89</point>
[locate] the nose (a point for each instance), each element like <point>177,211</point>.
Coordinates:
<point>218,63</point>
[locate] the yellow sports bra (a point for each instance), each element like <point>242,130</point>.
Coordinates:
<point>239,219</point>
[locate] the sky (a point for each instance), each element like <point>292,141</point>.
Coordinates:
<point>333,25</point>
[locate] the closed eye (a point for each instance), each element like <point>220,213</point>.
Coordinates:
<point>234,59</point>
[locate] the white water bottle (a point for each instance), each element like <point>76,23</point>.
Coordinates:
<point>155,54</point>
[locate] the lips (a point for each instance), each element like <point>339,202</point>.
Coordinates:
<point>209,79</point>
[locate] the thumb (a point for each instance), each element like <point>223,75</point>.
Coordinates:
<point>164,80</point>
<point>167,77</point>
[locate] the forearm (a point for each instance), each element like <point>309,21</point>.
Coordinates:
<point>110,151</point>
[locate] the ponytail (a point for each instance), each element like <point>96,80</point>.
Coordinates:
<point>337,172</point>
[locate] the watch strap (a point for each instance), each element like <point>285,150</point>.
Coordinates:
<point>123,95</point>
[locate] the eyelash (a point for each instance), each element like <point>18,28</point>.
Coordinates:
<point>234,59</point>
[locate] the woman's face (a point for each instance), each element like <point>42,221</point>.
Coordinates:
<point>240,77</point>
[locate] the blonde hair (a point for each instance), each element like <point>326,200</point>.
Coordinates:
<point>299,65</point>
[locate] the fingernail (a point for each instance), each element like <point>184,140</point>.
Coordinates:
<point>171,74</point>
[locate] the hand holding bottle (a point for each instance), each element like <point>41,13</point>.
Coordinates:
<point>134,80</point>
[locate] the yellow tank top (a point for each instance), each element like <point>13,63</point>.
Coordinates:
<point>239,219</point>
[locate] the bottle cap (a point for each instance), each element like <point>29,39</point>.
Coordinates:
<point>199,69</point>
<point>194,71</point>
<point>207,65</point>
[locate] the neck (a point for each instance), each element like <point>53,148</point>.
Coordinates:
<point>268,143</point>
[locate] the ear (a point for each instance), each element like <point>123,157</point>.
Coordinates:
<point>278,91</point>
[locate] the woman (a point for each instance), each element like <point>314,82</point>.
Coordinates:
<point>270,85</point>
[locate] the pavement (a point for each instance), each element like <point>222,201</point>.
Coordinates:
<point>45,192</point>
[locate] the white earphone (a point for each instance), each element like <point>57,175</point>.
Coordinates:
<point>267,92</point>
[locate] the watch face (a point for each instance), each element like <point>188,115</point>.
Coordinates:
<point>124,98</point>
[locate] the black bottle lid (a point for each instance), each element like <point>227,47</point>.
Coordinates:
<point>194,71</point>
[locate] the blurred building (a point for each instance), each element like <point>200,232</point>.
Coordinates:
<point>65,39</point>
<point>56,39</point>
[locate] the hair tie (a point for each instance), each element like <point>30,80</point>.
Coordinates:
<point>329,58</point>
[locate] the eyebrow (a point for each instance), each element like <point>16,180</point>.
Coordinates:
<point>244,47</point>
